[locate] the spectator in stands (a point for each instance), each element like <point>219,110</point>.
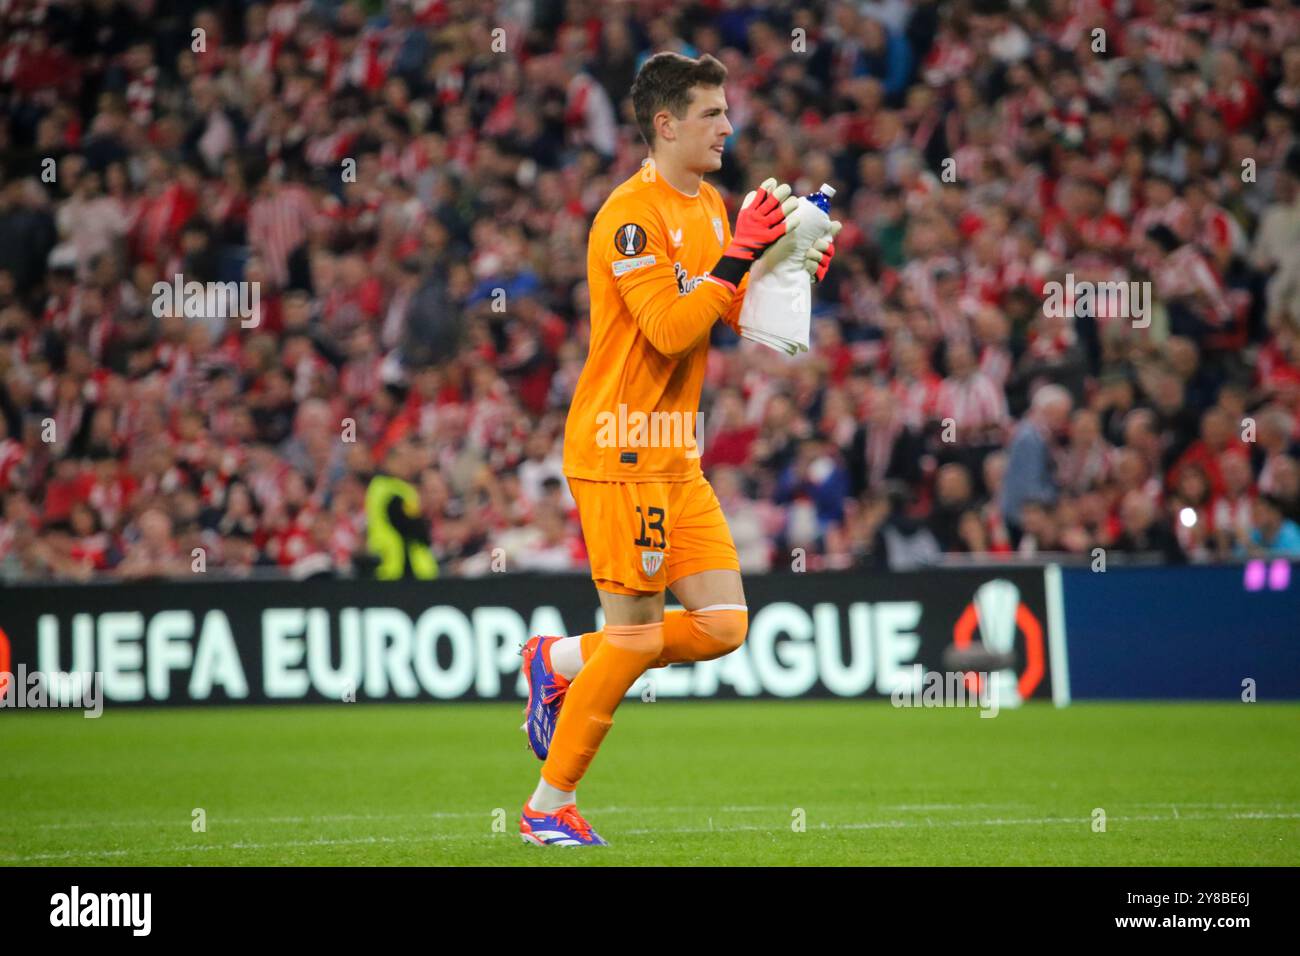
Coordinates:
<point>152,551</point>
<point>1029,474</point>
<point>415,215</point>
<point>398,532</point>
<point>1274,536</point>
<point>952,503</point>
<point>1144,532</point>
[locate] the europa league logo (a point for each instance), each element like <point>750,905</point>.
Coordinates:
<point>996,603</point>
<point>998,614</point>
<point>629,240</point>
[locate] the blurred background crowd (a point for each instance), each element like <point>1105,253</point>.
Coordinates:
<point>410,183</point>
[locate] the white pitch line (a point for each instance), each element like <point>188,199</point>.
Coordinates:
<point>241,845</point>
<point>239,821</point>
<point>926,807</point>
<point>743,828</point>
<point>1213,806</point>
<point>1041,821</point>
<point>473,814</point>
<point>350,817</point>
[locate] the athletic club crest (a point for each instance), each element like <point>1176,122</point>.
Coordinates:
<point>651,561</point>
<point>717,228</point>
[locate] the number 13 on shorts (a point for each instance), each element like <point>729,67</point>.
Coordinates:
<point>651,519</point>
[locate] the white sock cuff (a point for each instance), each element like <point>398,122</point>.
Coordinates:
<point>722,607</point>
<point>547,798</point>
<point>566,656</point>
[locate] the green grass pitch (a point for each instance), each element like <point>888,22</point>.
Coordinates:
<point>676,783</point>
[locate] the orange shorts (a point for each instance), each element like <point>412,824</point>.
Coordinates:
<point>642,536</point>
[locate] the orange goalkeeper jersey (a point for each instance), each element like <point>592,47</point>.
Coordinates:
<point>634,414</point>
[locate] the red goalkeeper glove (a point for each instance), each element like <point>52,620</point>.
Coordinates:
<point>819,257</point>
<point>760,222</point>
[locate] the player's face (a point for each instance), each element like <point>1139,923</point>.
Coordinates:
<point>705,129</point>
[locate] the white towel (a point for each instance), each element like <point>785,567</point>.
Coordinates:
<point>778,305</point>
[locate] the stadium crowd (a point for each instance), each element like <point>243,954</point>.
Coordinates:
<point>410,185</point>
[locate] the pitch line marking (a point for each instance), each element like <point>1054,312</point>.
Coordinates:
<point>472,814</point>
<point>465,837</point>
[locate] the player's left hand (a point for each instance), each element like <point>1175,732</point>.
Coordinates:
<point>819,257</point>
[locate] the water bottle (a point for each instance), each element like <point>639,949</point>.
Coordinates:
<point>822,198</point>
<point>790,249</point>
<point>821,201</point>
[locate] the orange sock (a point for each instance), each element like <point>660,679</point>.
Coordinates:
<point>592,697</point>
<point>701,635</point>
<point>591,641</point>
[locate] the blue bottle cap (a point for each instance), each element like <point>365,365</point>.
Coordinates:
<point>822,198</point>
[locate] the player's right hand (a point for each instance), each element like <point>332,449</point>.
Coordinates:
<point>761,220</point>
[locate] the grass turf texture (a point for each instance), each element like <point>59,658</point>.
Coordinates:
<point>676,783</point>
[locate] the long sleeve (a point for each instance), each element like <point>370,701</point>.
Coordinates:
<point>411,527</point>
<point>675,323</point>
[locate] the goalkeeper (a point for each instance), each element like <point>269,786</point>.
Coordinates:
<point>663,265</point>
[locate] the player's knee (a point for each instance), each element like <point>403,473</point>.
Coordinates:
<point>724,628</point>
<point>644,639</point>
<point>653,646</point>
<point>737,628</point>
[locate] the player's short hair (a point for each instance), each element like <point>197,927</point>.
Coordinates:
<point>664,82</point>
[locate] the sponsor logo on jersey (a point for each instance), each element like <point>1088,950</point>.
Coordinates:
<point>627,265</point>
<point>684,281</point>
